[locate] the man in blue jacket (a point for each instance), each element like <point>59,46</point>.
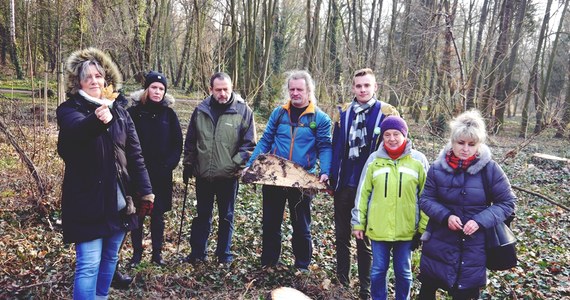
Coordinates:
<point>300,132</point>
<point>356,135</point>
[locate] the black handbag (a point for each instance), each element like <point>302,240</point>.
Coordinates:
<point>500,241</point>
<point>501,250</point>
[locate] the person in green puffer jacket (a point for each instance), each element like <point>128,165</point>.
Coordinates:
<point>387,209</point>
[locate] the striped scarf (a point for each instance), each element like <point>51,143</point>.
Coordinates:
<point>358,132</point>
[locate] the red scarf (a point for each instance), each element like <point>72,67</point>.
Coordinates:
<point>456,163</point>
<point>394,154</point>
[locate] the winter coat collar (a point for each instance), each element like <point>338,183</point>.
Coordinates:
<point>205,105</point>
<point>96,100</point>
<point>381,152</point>
<point>112,74</point>
<point>484,158</point>
<point>311,108</point>
<point>136,96</point>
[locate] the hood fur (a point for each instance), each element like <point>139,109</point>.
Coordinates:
<point>112,74</point>
<point>484,158</point>
<point>135,97</point>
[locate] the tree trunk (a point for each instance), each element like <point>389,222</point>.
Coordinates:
<point>565,122</point>
<point>14,53</point>
<point>540,102</point>
<point>235,49</point>
<point>269,8</point>
<point>390,59</point>
<point>508,92</point>
<point>185,56</point>
<point>532,87</point>
<point>375,45</point>
<point>474,76</point>
<point>368,50</point>
<point>498,63</point>
<point>553,52</point>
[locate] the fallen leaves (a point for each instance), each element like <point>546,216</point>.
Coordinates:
<point>34,263</point>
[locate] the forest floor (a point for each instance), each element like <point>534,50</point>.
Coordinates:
<point>35,264</point>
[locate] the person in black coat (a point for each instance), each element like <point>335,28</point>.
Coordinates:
<point>456,201</point>
<point>104,170</point>
<point>160,135</point>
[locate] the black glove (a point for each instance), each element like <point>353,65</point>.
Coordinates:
<point>416,241</point>
<point>186,174</point>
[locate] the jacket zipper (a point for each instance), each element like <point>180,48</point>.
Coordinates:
<point>386,186</point>
<point>293,132</point>
<point>400,187</point>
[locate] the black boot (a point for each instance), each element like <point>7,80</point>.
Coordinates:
<point>121,281</point>
<point>157,236</point>
<point>157,259</point>
<point>136,260</point>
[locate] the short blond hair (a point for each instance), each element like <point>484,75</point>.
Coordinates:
<point>363,72</point>
<point>469,124</point>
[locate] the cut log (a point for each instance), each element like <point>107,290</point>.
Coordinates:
<point>549,161</point>
<point>287,293</point>
<point>270,169</point>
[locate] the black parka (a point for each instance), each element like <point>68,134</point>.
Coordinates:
<point>96,155</point>
<point>160,136</point>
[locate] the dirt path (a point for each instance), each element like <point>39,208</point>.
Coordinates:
<point>8,91</point>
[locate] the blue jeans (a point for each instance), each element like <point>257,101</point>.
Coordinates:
<point>274,199</point>
<point>95,263</point>
<point>225,191</point>
<point>402,251</point>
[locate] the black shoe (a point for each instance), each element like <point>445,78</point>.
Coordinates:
<point>158,261</point>
<point>121,281</point>
<point>194,260</point>
<point>135,261</point>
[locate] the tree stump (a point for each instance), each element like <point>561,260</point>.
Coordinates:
<point>548,161</point>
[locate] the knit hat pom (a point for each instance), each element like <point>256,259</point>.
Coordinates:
<point>154,76</point>
<point>394,122</point>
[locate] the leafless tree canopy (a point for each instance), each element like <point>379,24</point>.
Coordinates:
<point>433,58</point>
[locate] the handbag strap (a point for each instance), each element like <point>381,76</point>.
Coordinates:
<point>489,195</point>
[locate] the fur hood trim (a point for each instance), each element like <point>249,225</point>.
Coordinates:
<point>135,97</point>
<point>112,74</point>
<point>484,158</point>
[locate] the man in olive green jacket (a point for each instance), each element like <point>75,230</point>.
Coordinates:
<point>220,138</point>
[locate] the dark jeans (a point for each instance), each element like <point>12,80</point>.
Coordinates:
<point>428,290</point>
<point>224,191</point>
<point>274,199</point>
<point>343,205</point>
<point>156,233</point>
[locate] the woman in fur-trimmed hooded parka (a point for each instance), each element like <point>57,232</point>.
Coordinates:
<point>455,199</point>
<point>160,135</point>
<point>104,167</point>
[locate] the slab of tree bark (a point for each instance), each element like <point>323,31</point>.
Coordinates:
<point>270,169</point>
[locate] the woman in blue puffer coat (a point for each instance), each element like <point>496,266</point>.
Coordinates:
<point>454,198</point>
